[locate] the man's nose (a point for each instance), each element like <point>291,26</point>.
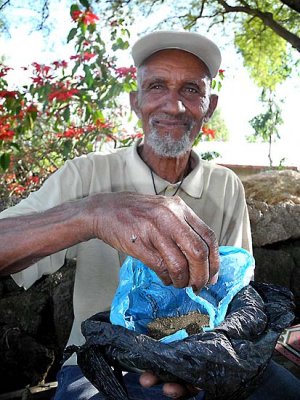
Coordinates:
<point>173,104</point>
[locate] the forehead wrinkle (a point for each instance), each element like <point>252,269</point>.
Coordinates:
<point>145,77</point>
<point>164,61</point>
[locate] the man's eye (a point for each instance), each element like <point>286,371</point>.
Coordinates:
<point>155,86</point>
<point>191,90</point>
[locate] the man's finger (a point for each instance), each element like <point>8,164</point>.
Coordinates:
<point>209,249</point>
<point>148,379</point>
<point>178,391</point>
<point>173,261</point>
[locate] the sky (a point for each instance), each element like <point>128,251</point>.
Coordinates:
<point>238,98</point>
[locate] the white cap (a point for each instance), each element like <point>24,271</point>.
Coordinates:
<point>194,43</point>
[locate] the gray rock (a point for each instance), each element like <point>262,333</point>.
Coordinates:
<point>273,200</point>
<point>273,223</point>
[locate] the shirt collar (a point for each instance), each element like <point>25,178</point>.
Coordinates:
<point>140,175</point>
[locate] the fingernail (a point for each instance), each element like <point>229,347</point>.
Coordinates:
<point>214,279</point>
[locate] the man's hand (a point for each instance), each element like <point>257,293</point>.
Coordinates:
<point>173,390</point>
<point>162,232</point>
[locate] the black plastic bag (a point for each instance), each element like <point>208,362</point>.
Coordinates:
<point>226,362</point>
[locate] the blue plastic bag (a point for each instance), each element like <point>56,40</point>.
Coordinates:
<point>142,297</point>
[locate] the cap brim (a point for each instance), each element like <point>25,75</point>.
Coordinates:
<point>194,43</point>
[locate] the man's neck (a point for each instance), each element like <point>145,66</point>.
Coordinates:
<point>172,169</point>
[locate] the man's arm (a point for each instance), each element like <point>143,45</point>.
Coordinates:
<point>162,232</point>
<point>27,239</point>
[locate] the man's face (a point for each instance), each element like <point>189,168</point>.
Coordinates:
<point>173,101</point>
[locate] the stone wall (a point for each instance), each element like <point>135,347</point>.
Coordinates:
<point>35,324</point>
<point>273,200</point>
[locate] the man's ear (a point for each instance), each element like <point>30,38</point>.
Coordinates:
<point>133,96</point>
<point>212,106</point>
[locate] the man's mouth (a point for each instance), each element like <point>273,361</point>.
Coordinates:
<point>167,121</point>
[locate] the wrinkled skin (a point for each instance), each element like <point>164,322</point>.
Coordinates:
<point>170,238</point>
<point>173,100</point>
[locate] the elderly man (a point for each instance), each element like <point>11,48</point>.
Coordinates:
<point>156,201</point>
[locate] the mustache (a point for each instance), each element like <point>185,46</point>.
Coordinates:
<point>182,119</point>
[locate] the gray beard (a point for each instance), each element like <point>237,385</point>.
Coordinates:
<point>167,146</point>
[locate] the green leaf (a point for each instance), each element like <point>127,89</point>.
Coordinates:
<point>88,76</point>
<point>4,161</point>
<point>90,147</point>
<point>67,148</point>
<point>85,3</point>
<point>71,34</point>
<point>74,7</point>
<point>66,114</point>
<point>74,70</point>
<point>92,28</point>
<point>120,44</point>
<point>98,115</point>
<point>87,113</point>
<point>15,147</point>
<point>83,28</point>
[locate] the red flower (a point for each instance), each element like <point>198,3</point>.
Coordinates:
<point>31,108</point>
<point>76,15</point>
<point>4,70</point>
<point>89,18</point>
<point>208,132</point>
<point>6,133</point>
<point>87,56</point>
<point>16,188</point>
<point>62,94</point>
<point>71,132</point>
<point>125,71</point>
<point>37,66</point>
<point>8,93</point>
<point>59,64</point>
<point>34,180</point>
<point>103,125</point>
<point>46,69</point>
<point>37,80</point>
<point>76,57</point>
<point>221,71</point>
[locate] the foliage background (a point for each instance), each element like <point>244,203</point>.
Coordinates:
<point>80,123</point>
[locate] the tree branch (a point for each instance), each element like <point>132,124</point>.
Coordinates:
<point>4,4</point>
<point>45,14</point>
<point>267,19</point>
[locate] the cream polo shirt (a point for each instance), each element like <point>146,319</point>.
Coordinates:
<point>214,192</point>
